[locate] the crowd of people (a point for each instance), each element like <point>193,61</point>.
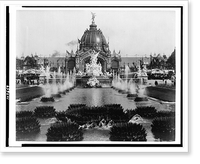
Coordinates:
<point>158,74</point>
<point>27,79</point>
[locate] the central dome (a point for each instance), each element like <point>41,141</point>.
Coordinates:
<point>93,38</point>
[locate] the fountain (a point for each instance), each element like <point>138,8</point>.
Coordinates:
<point>54,87</point>
<point>142,75</point>
<point>132,89</point>
<point>57,86</point>
<point>93,69</point>
<point>124,84</point>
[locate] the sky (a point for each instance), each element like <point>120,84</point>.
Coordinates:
<point>133,33</point>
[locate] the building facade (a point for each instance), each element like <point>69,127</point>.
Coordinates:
<point>91,42</point>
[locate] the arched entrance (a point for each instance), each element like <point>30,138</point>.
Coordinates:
<point>71,64</point>
<point>115,65</point>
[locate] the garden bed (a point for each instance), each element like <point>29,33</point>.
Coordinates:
<point>97,123</point>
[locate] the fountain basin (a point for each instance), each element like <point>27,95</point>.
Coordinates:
<point>122,91</point>
<point>63,92</point>
<point>67,90</point>
<point>47,99</point>
<point>138,99</point>
<point>132,95</point>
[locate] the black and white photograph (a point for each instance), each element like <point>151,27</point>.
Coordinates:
<point>96,76</point>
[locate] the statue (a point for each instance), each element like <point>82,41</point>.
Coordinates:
<point>93,68</point>
<point>93,16</point>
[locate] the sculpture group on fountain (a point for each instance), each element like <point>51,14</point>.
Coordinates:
<point>93,68</point>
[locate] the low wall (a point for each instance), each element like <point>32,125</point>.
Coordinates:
<point>29,92</point>
<point>165,94</point>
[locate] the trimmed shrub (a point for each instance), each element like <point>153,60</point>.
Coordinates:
<point>44,111</point>
<point>61,115</point>
<point>65,131</point>
<point>84,114</point>
<point>21,114</point>
<point>148,112</point>
<point>73,106</point>
<point>164,128</point>
<point>27,125</point>
<point>165,114</point>
<point>128,132</point>
<point>118,106</point>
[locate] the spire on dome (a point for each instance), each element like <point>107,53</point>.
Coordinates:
<point>93,16</point>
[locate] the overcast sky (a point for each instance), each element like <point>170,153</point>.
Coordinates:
<point>131,32</point>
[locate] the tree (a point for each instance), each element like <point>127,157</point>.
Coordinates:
<point>30,62</point>
<point>172,60</point>
<point>19,64</point>
<point>133,67</point>
<point>157,61</point>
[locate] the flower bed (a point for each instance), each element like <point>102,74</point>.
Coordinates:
<point>111,117</point>
<point>128,132</point>
<point>65,131</point>
<point>72,106</point>
<point>165,114</point>
<point>83,114</point>
<point>22,114</point>
<point>44,112</point>
<point>164,128</point>
<point>149,112</point>
<point>27,125</point>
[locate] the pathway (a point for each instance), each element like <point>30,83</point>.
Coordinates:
<point>96,134</point>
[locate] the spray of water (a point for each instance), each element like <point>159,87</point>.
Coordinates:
<point>58,83</point>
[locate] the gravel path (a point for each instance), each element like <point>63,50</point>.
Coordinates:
<point>96,134</point>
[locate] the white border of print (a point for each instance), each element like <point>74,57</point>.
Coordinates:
<point>12,141</point>
<point>12,127</point>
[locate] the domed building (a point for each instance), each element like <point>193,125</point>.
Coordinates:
<point>93,40</point>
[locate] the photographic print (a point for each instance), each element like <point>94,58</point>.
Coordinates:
<point>96,75</point>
